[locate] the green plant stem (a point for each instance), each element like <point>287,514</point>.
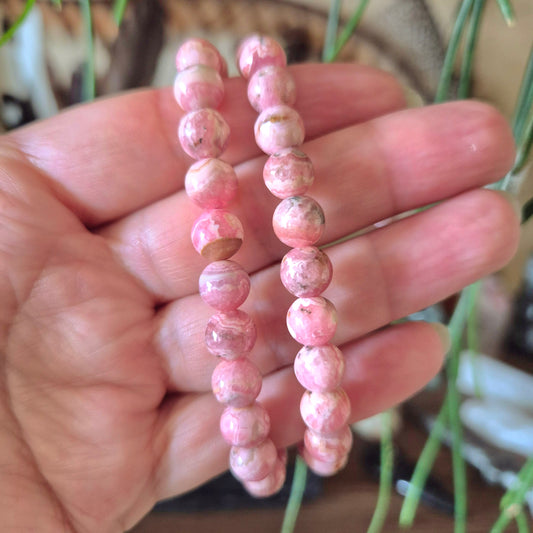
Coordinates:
<point>15,26</point>
<point>295,499</point>
<point>463,90</point>
<point>458,464</point>
<point>521,522</point>
<point>443,89</point>
<point>522,156</point>
<point>522,126</point>
<point>347,31</point>
<point>457,324</point>
<point>507,11</point>
<point>385,475</point>
<point>525,147</point>
<point>432,446</point>
<point>513,499</point>
<point>524,100</point>
<point>423,467</point>
<point>472,338</point>
<point>119,8</point>
<point>331,29</point>
<point>89,78</point>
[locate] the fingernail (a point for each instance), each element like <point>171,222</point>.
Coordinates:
<point>513,200</point>
<point>443,333</point>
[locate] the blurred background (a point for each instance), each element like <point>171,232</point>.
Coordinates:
<point>44,68</point>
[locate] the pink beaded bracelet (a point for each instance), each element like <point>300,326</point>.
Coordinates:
<point>306,271</point>
<point>217,235</point>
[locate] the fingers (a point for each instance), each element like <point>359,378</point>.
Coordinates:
<point>365,173</point>
<point>381,370</point>
<point>111,157</point>
<point>378,277</point>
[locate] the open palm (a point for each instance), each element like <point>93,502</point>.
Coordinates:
<point>104,404</point>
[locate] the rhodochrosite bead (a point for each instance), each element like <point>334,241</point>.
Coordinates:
<point>325,412</point>
<point>198,86</point>
<point>230,335</point>
<point>306,271</point>
<point>278,127</point>
<point>268,485</point>
<point>271,86</point>
<point>200,52</point>
<point>319,368</point>
<point>236,383</point>
<point>253,464</point>
<point>329,448</point>
<point>245,426</point>
<point>258,51</point>
<point>224,285</point>
<point>211,183</point>
<point>323,468</point>
<point>217,234</point>
<point>288,172</point>
<point>298,221</point>
<point>203,133</point>
<point>312,321</point>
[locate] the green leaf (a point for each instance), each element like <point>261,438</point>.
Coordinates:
<point>57,3</point>
<point>507,11</point>
<point>347,31</point>
<point>331,29</point>
<point>443,89</point>
<point>11,31</point>
<point>524,101</point>
<point>89,77</point>
<point>119,8</point>
<point>468,55</point>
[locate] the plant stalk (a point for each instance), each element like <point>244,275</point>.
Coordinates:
<point>295,499</point>
<point>385,474</point>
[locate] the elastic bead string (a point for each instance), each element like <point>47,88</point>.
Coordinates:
<point>217,234</point>
<point>306,271</point>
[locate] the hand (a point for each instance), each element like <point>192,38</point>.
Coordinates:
<point>105,405</point>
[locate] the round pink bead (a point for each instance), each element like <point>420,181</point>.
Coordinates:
<point>329,448</point>
<point>211,183</point>
<point>325,412</point>
<point>217,234</point>
<point>200,52</point>
<point>258,51</point>
<point>319,368</point>
<point>203,133</point>
<point>288,173</point>
<point>312,321</point>
<point>306,271</point>
<point>298,221</point>
<point>236,383</point>
<point>253,464</point>
<point>269,485</point>
<point>197,87</point>
<point>324,468</point>
<point>230,335</point>
<point>277,128</point>
<point>224,285</point>
<point>245,426</point>
<point>270,86</point>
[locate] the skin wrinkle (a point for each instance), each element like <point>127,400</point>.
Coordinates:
<point>66,518</point>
